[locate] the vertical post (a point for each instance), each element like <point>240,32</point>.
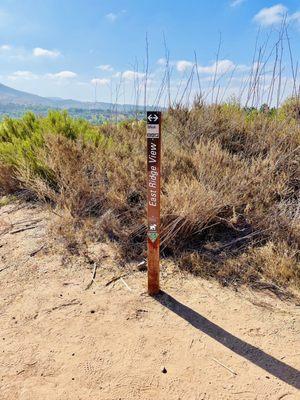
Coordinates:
<point>153,200</point>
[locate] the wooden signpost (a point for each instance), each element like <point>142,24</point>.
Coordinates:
<point>153,208</point>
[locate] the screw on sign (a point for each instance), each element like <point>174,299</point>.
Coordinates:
<point>153,190</point>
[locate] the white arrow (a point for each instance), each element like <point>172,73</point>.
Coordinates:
<point>153,117</point>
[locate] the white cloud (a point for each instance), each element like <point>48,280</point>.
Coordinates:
<point>183,65</point>
<point>271,16</point>
<point>161,61</point>
<point>27,75</point>
<point>235,3</point>
<point>39,52</point>
<point>242,68</point>
<point>295,17</point>
<point>99,81</point>
<point>14,53</point>
<point>131,75</point>
<point>111,17</point>
<point>5,47</point>
<point>220,67</point>
<point>63,75</point>
<point>274,15</point>
<point>105,67</point>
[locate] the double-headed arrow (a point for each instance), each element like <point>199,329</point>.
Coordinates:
<point>152,117</point>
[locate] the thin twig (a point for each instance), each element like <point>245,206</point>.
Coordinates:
<point>122,280</point>
<point>23,229</point>
<point>224,366</point>
<point>32,254</point>
<point>115,279</point>
<point>93,276</point>
<point>2,269</point>
<point>73,302</point>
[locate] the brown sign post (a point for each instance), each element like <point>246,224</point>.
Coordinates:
<point>153,208</point>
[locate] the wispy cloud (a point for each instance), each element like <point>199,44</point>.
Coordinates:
<point>161,61</point>
<point>112,16</point>
<point>274,15</point>
<point>59,77</point>
<point>15,54</point>
<point>100,81</point>
<point>5,47</point>
<point>220,67</point>
<point>25,75</point>
<point>295,17</point>
<point>105,67</point>
<point>40,52</point>
<point>271,15</point>
<point>131,75</point>
<point>63,75</point>
<point>235,3</point>
<point>183,65</point>
<point>21,53</point>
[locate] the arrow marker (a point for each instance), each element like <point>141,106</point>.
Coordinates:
<point>152,117</point>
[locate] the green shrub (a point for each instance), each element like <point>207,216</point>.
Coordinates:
<point>230,188</point>
<point>22,139</point>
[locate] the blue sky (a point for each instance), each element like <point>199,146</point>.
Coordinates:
<point>79,49</point>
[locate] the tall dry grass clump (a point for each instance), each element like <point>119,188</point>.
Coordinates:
<point>230,187</point>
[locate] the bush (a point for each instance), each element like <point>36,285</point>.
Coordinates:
<point>21,141</point>
<point>290,109</point>
<point>230,193</point>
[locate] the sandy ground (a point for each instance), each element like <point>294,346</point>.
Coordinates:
<point>195,341</point>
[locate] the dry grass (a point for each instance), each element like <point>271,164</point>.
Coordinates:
<point>230,192</point>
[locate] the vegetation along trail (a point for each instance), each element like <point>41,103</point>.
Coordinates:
<point>76,321</point>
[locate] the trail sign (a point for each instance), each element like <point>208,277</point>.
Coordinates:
<point>153,200</point>
<point>153,118</point>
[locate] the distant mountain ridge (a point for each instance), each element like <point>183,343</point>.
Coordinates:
<point>9,96</point>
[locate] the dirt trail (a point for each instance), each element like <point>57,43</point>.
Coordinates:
<point>60,341</point>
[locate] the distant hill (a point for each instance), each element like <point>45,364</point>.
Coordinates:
<point>10,97</point>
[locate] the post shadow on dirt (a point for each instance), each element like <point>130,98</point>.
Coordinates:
<point>251,353</point>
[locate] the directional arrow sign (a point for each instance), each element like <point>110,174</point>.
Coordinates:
<point>153,117</point>
<point>153,188</point>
